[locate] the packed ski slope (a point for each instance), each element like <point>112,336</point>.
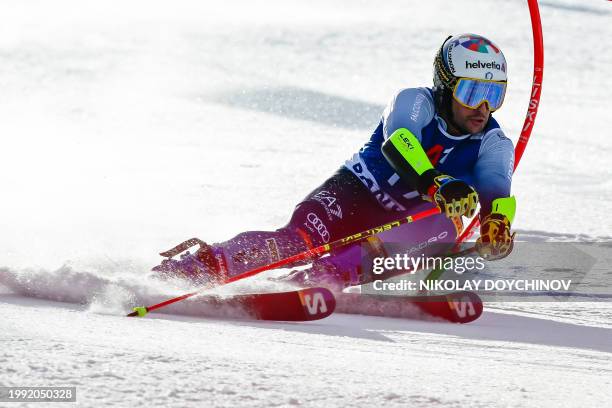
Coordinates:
<point>128,127</point>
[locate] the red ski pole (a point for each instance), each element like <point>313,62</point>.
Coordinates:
<point>311,253</point>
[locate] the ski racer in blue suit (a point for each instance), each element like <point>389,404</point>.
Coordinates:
<point>435,146</point>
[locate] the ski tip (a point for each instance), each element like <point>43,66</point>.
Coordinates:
<point>318,303</point>
<point>465,307</point>
<point>140,311</point>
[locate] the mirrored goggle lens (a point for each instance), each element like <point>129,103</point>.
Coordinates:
<point>472,93</point>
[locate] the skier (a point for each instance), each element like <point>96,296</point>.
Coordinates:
<point>435,146</point>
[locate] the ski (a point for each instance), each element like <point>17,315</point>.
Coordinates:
<point>455,307</point>
<point>298,305</point>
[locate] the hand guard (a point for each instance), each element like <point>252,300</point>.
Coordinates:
<point>454,197</point>
<point>495,241</point>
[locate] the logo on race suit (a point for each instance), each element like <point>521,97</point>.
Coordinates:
<point>424,244</point>
<point>248,255</point>
<point>273,249</point>
<point>222,265</point>
<point>330,204</point>
<point>359,169</point>
<point>318,226</point>
<point>438,153</point>
<point>416,107</point>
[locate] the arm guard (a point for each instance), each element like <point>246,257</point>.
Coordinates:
<point>454,197</point>
<point>402,148</point>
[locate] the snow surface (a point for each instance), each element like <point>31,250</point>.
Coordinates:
<point>130,126</point>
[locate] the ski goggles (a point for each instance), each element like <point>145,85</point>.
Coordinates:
<point>472,93</point>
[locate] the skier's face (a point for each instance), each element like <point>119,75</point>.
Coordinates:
<point>470,120</point>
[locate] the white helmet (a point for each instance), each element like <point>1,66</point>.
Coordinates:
<point>468,56</point>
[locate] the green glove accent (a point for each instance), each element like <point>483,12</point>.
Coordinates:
<point>411,150</point>
<point>504,206</point>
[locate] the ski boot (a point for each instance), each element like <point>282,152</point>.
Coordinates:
<point>200,267</point>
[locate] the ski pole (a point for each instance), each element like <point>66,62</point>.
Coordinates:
<point>311,253</point>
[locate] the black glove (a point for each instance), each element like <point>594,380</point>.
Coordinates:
<point>454,197</point>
